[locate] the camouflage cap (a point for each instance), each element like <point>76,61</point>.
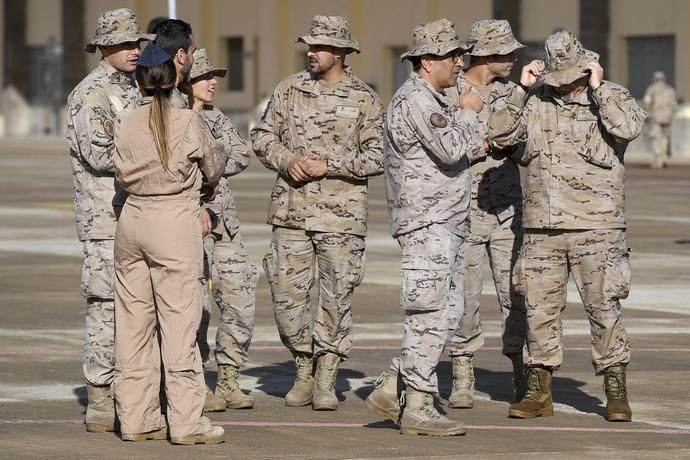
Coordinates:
<point>115,27</point>
<point>493,36</point>
<point>202,66</point>
<point>330,31</point>
<point>437,38</point>
<point>565,59</point>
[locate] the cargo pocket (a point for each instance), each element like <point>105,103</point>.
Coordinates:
<point>423,289</point>
<point>617,274</point>
<point>98,272</point>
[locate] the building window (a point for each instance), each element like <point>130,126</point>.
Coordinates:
<point>647,55</point>
<point>235,53</point>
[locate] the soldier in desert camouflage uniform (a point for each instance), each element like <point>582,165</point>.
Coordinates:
<point>576,127</point>
<point>94,107</point>
<point>227,263</point>
<point>660,101</point>
<point>430,139</point>
<point>495,212</point>
<point>322,132</point>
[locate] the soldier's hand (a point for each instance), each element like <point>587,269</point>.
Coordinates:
<point>596,74</point>
<point>531,72</point>
<point>296,170</point>
<point>470,100</point>
<point>315,167</point>
<point>205,221</point>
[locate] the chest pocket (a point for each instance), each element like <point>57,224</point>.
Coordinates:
<point>345,124</point>
<point>593,149</point>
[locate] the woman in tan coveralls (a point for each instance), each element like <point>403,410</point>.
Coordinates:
<point>163,156</point>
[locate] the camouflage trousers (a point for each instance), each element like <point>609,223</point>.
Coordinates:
<point>659,135</point>
<point>337,260</point>
<point>500,241</point>
<point>97,278</point>
<point>431,295</point>
<point>232,277</point>
<point>599,263</point>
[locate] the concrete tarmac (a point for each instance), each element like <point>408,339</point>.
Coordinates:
<point>42,395</point>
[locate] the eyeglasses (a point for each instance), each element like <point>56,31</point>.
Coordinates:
<point>455,56</point>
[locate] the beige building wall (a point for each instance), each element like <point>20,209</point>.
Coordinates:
<point>635,18</point>
<point>44,22</point>
<point>540,18</point>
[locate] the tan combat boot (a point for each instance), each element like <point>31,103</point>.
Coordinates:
<point>228,389</point>
<point>303,388</point>
<point>100,411</point>
<point>519,376</point>
<point>421,417</point>
<point>462,393</point>
<point>324,397</point>
<point>213,403</point>
<point>215,435</point>
<point>385,399</point>
<point>537,401</point>
<point>157,435</point>
<point>617,407</point>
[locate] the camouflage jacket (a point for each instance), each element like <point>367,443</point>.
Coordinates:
<point>660,101</point>
<point>342,124</point>
<point>428,143</point>
<point>496,190</point>
<point>574,152</point>
<point>223,204</point>
<point>94,108</point>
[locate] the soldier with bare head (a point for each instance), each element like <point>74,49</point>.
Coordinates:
<point>660,101</point>
<point>495,213</point>
<point>322,133</point>
<point>430,140</point>
<point>576,126</point>
<point>94,108</point>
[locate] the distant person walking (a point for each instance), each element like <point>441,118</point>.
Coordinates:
<point>660,102</point>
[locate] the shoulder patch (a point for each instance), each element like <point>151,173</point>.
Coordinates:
<point>438,120</point>
<point>108,127</point>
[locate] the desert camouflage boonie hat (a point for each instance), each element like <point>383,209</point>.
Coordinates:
<point>202,66</point>
<point>330,31</point>
<point>437,38</point>
<point>493,36</point>
<point>565,59</point>
<point>115,27</point>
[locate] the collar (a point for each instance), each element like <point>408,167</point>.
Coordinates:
<point>114,75</point>
<point>441,96</point>
<point>309,84</point>
<point>584,98</point>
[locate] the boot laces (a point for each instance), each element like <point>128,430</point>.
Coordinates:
<point>533,385</point>
<point>229,377</point>
<point>304,366</point>
<point>614,386</point>
<point>463,375</point>
<point>429,408</point>
<point>380,380</point>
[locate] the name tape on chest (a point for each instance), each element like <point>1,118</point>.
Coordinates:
<point>346,112</point>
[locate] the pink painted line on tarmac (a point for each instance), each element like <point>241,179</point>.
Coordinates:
<point>268,424</point>
<point>397,347</point>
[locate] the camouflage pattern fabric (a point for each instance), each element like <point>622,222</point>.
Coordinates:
<point>114,27</point>
<point>436,38</point>
<point>97,288</point>
<point>493,36</point>
<point>429,144</point>
<point>226,261</point>
<point>431,295</point>
<point>566,59</point>
<point>95,106</point>
<point>660,101</point>
<point>574,153</point>
<point>495,211</point>
<point>341,124</point>
<point>290,268</point>
<point>330,31</point>
<point>599,263</point>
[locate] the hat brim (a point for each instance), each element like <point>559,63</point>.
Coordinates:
<point>349,45</point>
<point>499,50</point>
<point>109,40</point>
<point>437,49</point>
<point>569,75</point>
<point>216,72</point>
